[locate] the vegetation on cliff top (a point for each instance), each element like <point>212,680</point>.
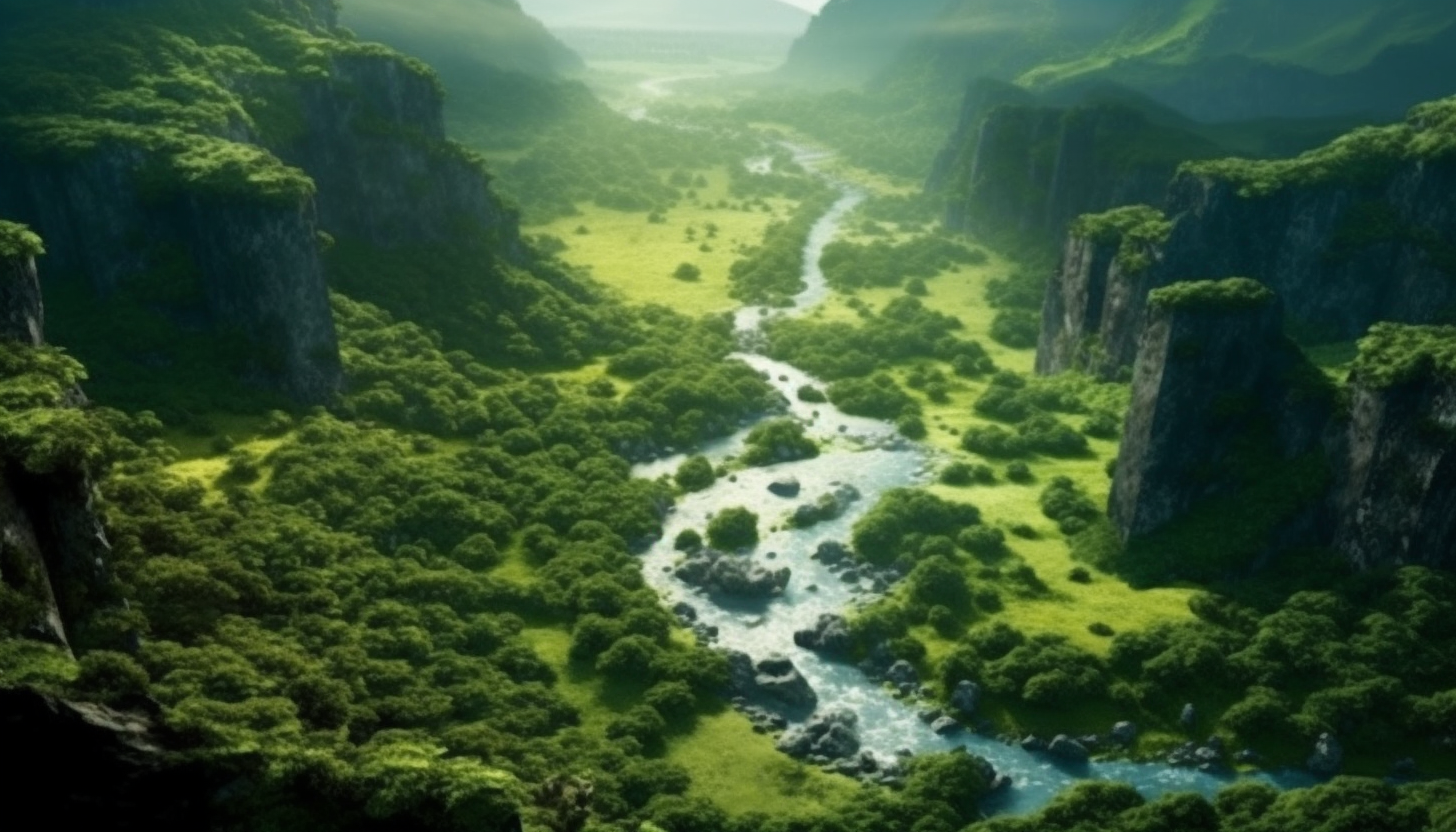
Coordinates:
<point>1394,354</point>
<point>1228,295</point>
<point>17,240</point>
<point>1134,229</point>
<point>1361,157</point>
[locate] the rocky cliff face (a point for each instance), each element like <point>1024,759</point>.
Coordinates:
<point>1394,498</point>
<point>373,140</point>
<point>1223,405</point>
<point>1212,384</point>
<point>1029,171</point>
<point>1371,244</point>
<point>53,550</point>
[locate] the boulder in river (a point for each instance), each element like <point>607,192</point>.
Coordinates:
<point>1068,750</point>
<point>831,552</point>
<point>726,574</point>
<point>786,487</point>
<point>1328,757</point>
<point>966,697</point>
<point>833,735</point>
<point>903,673</point>
<point>830,635</point>
<point>946,726</point>
<point>740,673</point>
<point>777,678</point>
<point>1125,733</point>
<point>1032,743</point>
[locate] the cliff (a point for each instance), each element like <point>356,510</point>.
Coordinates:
<point>1212,387</point>
<point>1353,233</point>
<point>1028,171</point>
<point>1394,499</point>
<point>1236,448</point>
<point>53,550</point>
<point>210,208</point>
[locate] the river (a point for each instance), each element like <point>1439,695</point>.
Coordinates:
<point>873,458</point>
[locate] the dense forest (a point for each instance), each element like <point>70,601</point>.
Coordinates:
<point>979,415</point>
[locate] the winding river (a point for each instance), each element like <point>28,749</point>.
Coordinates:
<point>872,457</point>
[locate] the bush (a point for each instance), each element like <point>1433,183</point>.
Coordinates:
<point>1016,328</point>
<point>733,529</point>
<point>877,397</point>
<point>688,540</point>
<point>912,427</point>
<point>695,474</point>
<point>1019,472</point>
<point>108,676</point>
<point>687,272</point>
<point>812,395</point>
<point>994,442</point>
<point>902,519</point>
<point>1066,503</point>
<point>983,541</point>
<point>778,440</point>
<point>1103,425</point>
<point>1079,575</point>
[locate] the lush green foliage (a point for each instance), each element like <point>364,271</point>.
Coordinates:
<point>18,241</point>
<point>1134,229</point>
<point>771,273</point>
<point>1393,354</point>
<point>849,266</point>
<point>903,519</point>
<point>733,528</point>
<point>1230,294</point>
<point>1364,156</point>
<point>904,329</point>
<point>778,440</point>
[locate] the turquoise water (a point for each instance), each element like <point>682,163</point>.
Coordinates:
<point>872,457</point>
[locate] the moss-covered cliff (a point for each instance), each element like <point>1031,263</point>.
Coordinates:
<point>1356,232</point>
<point>189,163</point>
<point>1237,449</point>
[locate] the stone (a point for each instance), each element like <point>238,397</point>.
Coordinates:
<point>1248,757</point>
<point>966,697</point>
<point>832,735</point>
<point>741,675</point>
<point>685,612</point>
<point>786,487</point>
<point>831,552</point>
<point>777,678</point>
<point>830,635</point>
<point>1189,717</point>
<point>929,715</point>
<point>945,726</point>
<point>1068,750</point>
<point>1125,733</point>
<point>903,672</point>
<point>1033,743</point>
<point>1328,757</point>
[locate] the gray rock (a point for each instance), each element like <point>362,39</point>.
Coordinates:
<point>1001,783</point>
<point>966,697</point>
<point>1328,757</point>
<point>831,552</point>
<point>902,673</point>
<point>1189,717</point>
<point>1248,757</point>
<point>685,612</point>
<point>786,487</point>
<point>830,635</point>
<point>829,735</point>
<point>741,676</point>
<point>945,726</point>
<point>1125,733</point>
<point>929,715</point>
<point>1068,750</point>
<point>777,678</point>
<point>850,575</point>
<point>1033,743</point>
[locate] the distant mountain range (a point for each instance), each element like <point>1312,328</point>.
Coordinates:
<point>1210,59</point>
<point>684,15</point>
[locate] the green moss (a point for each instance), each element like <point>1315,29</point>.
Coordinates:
<point>1233,294</point>
<point>1360,157</point>
<point>1134,229</point>
<point>1394,354</point>
<point>17,241</point>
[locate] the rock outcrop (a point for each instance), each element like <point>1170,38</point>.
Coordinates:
<point>1348,235</point>
<point>1394,495</point>
<point>1239,447</point>
<point>1215,380</point>
<point>1026,171</point>
<point>53,550</point>
<point>77,762</point>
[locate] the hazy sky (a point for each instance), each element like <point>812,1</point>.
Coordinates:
<point>811,5</point>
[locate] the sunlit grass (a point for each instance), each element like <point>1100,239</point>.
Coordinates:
<point>637,258</point>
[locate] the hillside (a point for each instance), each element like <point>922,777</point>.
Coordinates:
<point>670,15</point>
<point>505,36</point>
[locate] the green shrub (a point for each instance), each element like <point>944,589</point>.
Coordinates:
<point>733,529</point>
<point>695,474</point>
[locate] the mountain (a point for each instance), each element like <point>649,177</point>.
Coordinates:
<point>672,15</point>
<point>504,36</point>
<point>1210,59</point>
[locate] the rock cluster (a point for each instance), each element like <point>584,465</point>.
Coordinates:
<point>829,636</point>
<point>830,735</point>
<point>731,575</point>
